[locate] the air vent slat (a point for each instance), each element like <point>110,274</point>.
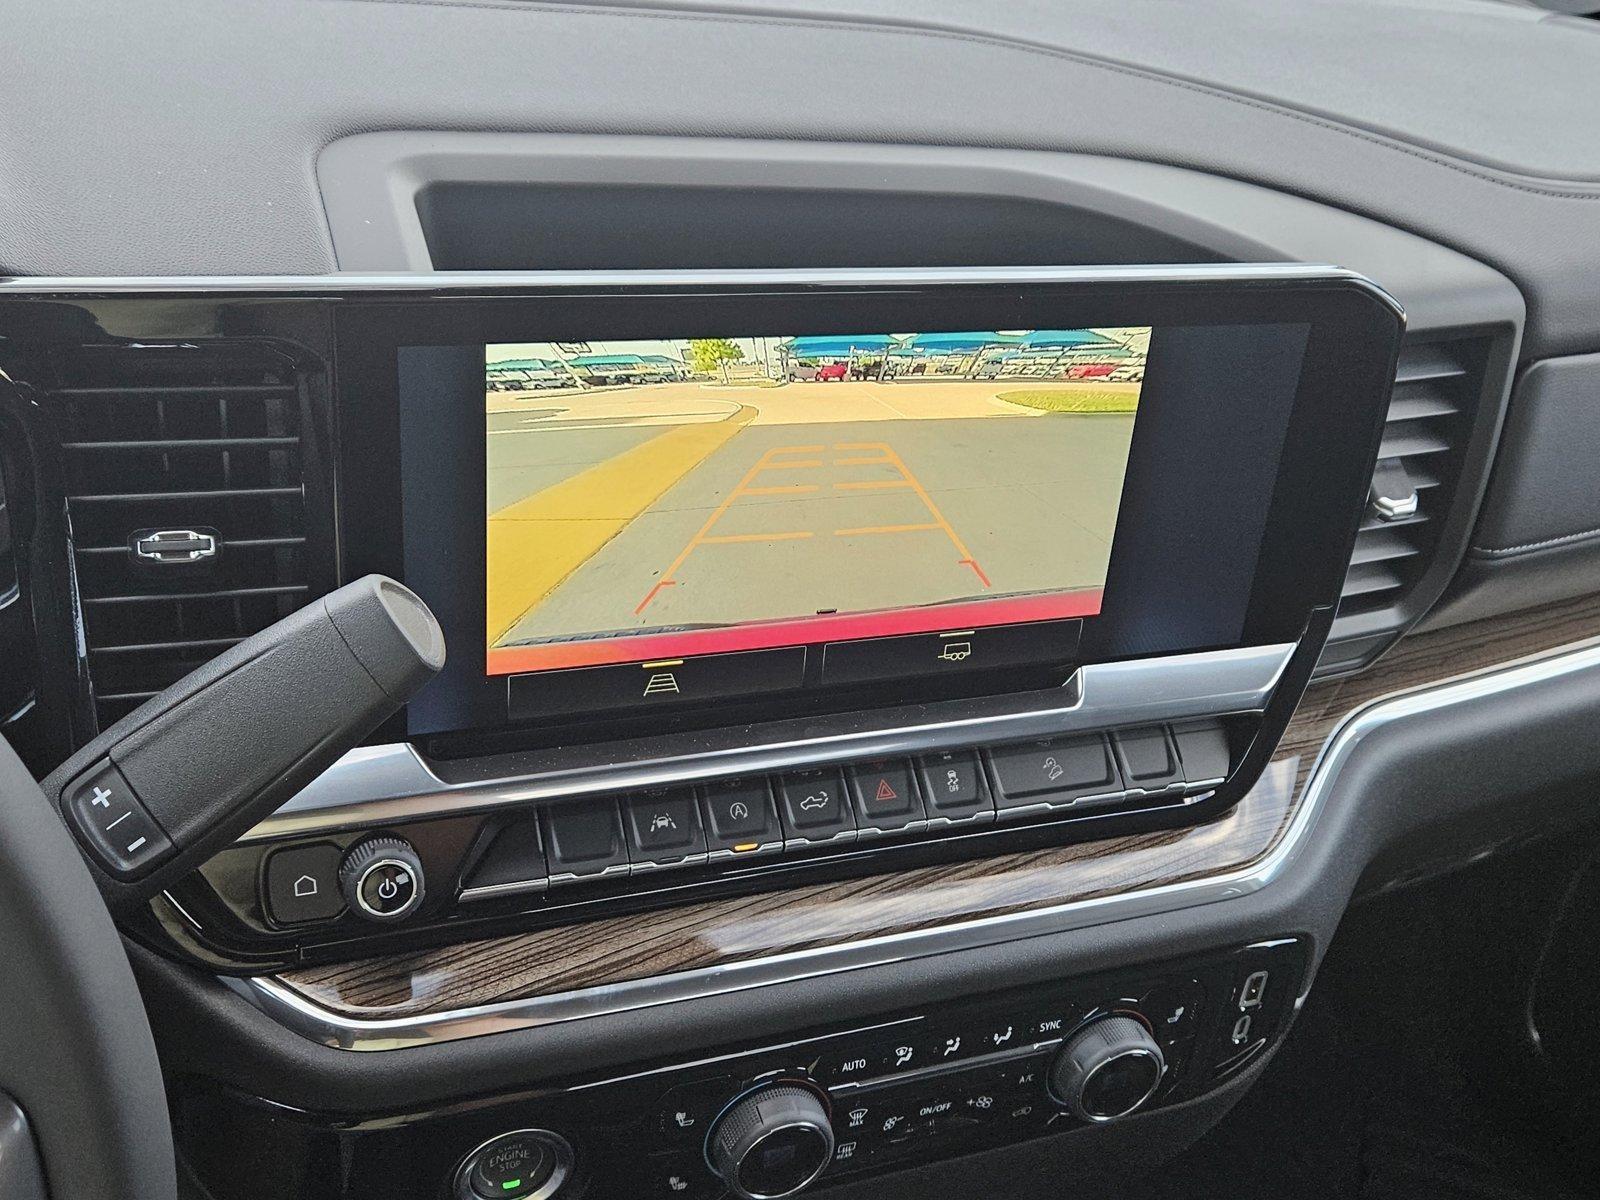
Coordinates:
<point>1375,523</point>
<point>224,543</point>
<point>1419,408</point>
<point>1430,414</point>
<point>1430,362</point>
<point>1383,546</point>
<point>169,647</point>
<point>1369,578</point>
<point>184,483</point>
<point>179,392</point>
<point>198,494</point>
<point>288,589</point>
<point>1412,444</point>
<point>197,443</point>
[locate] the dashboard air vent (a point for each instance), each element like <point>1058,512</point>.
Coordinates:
<point>182,468</point>
<point>1419,466</point>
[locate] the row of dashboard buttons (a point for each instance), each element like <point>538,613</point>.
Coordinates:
<point>1171,1007</point>
<point>679,827</point>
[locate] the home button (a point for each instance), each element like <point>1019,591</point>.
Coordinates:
<point>302,884</point>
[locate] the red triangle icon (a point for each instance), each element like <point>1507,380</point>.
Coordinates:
<point>885,792</point>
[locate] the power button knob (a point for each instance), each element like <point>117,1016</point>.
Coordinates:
<point>382,879</point>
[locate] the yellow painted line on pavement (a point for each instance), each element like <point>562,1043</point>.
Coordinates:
<point>541,539</point>
<point>885,529</point>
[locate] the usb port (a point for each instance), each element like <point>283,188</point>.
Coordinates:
<point>1255,987</point>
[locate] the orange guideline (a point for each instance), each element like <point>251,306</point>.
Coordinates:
<point>771,462</point>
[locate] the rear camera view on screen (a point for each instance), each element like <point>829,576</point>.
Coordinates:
<point>654,499</point>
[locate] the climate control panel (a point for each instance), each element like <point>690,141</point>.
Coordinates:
<point>1013,1066</point>
<point>771,1121</point>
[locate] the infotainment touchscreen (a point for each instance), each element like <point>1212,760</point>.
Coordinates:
<point>649,501</point>
<point>691,502</point>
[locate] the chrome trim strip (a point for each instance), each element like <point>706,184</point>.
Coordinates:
<point>445,282</point>
<point>377,785</point>
<point>319,1024</point>
<point>515,888</point>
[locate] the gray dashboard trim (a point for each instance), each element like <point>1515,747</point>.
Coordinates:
<point>312,1021</point>
<point>382,784</point>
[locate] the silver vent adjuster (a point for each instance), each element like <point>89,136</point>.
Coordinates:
<point>174,545</point>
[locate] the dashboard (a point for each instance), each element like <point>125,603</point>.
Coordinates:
<point>938,628</point>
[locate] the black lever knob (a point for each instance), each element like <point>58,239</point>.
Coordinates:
<point>189,770</point>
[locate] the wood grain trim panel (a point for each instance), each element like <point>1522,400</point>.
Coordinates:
<point>730,930</point>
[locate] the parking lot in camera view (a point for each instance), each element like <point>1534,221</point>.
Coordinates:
<point>699,502</point>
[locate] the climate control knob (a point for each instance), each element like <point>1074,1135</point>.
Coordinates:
<point>382,879</point>
<point>1107,1069</point>
<point>772,1142</point>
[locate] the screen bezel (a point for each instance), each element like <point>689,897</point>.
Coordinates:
<point>1323,472</point>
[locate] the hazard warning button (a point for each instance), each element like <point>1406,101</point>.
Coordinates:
<point>886,797</point>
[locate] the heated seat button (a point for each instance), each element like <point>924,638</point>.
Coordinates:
<point>584,840</point>
<point>686,1111</point>
<point>815,807</point>
<point>740,817</point>
<point>664,829</point>
<point>115,825</point>
<point>1053,773</point>
<point>1173,1010</point>
<point>955,789</point>
<point>886,797</point>
<point>302,884</point>
<point>679,1176</point>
